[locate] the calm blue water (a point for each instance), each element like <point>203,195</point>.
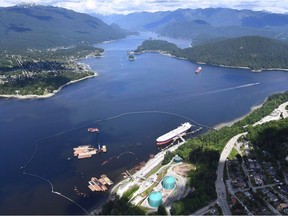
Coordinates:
<point>136,89</point>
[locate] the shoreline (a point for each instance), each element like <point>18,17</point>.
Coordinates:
<point>151,162</point>
<point>98,208</point>
<point>112,193</point>
<point>46,95</point>
<point>230,123</point>
<point>166,53</point>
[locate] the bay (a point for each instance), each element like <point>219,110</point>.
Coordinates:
<point>132,103</point>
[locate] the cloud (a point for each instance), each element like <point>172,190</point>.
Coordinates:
<point>129,6</point>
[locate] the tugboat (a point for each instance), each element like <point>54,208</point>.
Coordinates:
<point>131,57</point>
<point>198,70</point>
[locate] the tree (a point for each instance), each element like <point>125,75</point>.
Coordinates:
<point>161,210</point>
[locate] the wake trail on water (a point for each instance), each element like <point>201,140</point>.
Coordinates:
<point>97,121</point>
<point>228,89</point>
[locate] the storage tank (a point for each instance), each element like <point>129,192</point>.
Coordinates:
<point>155,199</point>
<point>168,182</point>
<point>177,159</point>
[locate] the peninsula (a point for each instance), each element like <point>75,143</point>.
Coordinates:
<point>254,52</point>
<point>42,73</point>
<point>39,54</point>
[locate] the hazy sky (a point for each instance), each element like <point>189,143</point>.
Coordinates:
<point>129,6</point>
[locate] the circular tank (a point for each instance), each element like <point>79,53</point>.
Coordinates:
<point>168,182</point>
<point>155,199</point>
<point>177,159</point>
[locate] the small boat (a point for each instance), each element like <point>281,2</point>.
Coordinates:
<point>93,130</point>
<point>104,149</point>
<point>198,70</point>
<point>131,58</point>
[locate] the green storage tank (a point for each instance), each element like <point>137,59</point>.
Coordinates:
<point>155,199</point>
<point>177,159</point>
<point>168,182</point>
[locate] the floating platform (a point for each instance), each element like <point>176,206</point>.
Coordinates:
<point>84,151</point>
<point>106,179</point>
<point>99,184</point>
<point>95,185</point>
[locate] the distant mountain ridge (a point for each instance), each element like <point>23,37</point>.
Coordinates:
<point>35,26</point>
<point>220,23</point>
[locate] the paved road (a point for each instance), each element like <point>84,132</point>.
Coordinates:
<point>219,184</point>
<point>283,110</point>
<point>275,115</point>
<point>205,209</point>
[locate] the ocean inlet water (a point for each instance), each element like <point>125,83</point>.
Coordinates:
<point>132,103</point>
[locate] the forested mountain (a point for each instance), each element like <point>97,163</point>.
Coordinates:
<point>134,21</point>
<point>202,25</point>
<point>41,44</point>
<point>254,52</point>
<point>34,26</point>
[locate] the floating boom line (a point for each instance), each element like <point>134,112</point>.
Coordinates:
<point>97,121</point>
<point>52,189</point>
<point>121,115</point>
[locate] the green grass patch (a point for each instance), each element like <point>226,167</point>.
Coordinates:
<point>129,193</point>
<point>153,171</point>
<point>232,154</point>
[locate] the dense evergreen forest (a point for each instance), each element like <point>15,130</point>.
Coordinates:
<point>159,46</point>
<point>254,52</point>
<point>28,26</point>
<point>120,206</point>
<point>271,138</point>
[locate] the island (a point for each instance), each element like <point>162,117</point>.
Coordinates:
<point>250,157</point>
<point>253,52</point>
<point>41,73</point>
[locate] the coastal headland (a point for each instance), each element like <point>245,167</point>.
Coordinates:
<point>216,55</point>
<point>34,96</point>
<point>42,73</point>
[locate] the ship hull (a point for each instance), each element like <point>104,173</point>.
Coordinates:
<point>174,134</point>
